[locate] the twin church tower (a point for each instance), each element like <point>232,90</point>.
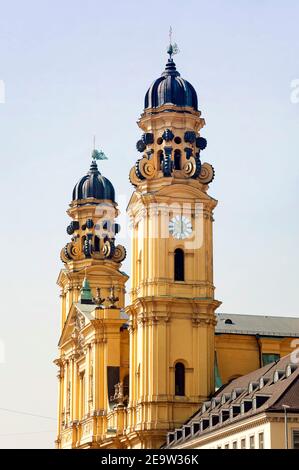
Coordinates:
<point>127,374</point>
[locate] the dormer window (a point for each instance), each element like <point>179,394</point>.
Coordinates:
<point>252,386</point>
<point>278,374</point>
<point>214,419</point>
<point>259,400</point>
<point>246,405</point>
<point>290,369</point>
<point>205,406</point>
<point>263,382</point>
<point>204,424</point>
<point>195,428</point>
<point>224,415</point>
<point>234,411</point>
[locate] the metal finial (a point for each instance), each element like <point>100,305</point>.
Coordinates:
<point>97,299</point>
<point>173,47</point>
<point>112,298</point>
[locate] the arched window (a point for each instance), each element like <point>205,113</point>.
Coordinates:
<point>179,379</point>
<point>126,388</point>
<point>96,243</point>
<point>160,157</point>
<point>179,268</point>
<point>177,159</point>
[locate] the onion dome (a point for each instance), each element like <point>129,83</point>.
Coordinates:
<point>171,88</point>
<point>94,185</point>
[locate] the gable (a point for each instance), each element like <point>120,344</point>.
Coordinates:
<point>78,317</point>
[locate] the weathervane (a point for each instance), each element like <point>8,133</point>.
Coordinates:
<point>97,154</point>
<point>173,47</point>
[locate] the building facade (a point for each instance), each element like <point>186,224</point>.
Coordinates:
<point>255,411</point>
<point>244,343</point>
<point>129,374</point>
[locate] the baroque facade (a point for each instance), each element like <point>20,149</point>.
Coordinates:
<point>129,374</point>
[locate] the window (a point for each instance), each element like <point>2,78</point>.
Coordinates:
<point>243,443</point>
<point>260,400</point>
<point>179,379</point>
<point>179,268</point>
<point>268,358</point>
<point>251,442</point>
<point>226,446</point>
<point>82,395</point>
<point>278,374</point>
<point>296,439</point>
<point>235,445</point>
<point>261,440</point>
<point>96,243</point>
<point>219,447</point>
<point>160,157</point>
<point>177,160</point>
<point>218,381</point>
<point>126,388</point>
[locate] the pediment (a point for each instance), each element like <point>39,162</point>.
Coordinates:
<point>78,317</point>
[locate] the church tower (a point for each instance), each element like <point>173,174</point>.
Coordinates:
<point>172,307</point>
<point>93,347</point>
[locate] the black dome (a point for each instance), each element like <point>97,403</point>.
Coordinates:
<point>94,185</point>
<point>170,88</point>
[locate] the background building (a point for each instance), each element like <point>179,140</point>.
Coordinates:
<point>248,413</point>
<point>247,342</point>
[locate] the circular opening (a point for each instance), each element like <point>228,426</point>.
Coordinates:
<point>177,140</point>
<point>159,141</point>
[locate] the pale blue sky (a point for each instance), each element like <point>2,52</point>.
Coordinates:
<point>77,68</point>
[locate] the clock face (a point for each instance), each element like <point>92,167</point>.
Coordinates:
<point>180,227</point>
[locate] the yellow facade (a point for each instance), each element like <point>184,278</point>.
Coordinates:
<point>170,321</point>
<point>129,374</point>
<point>93,342</point>
<point>237,355</point>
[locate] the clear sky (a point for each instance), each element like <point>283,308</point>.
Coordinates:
<point>72,69</point>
